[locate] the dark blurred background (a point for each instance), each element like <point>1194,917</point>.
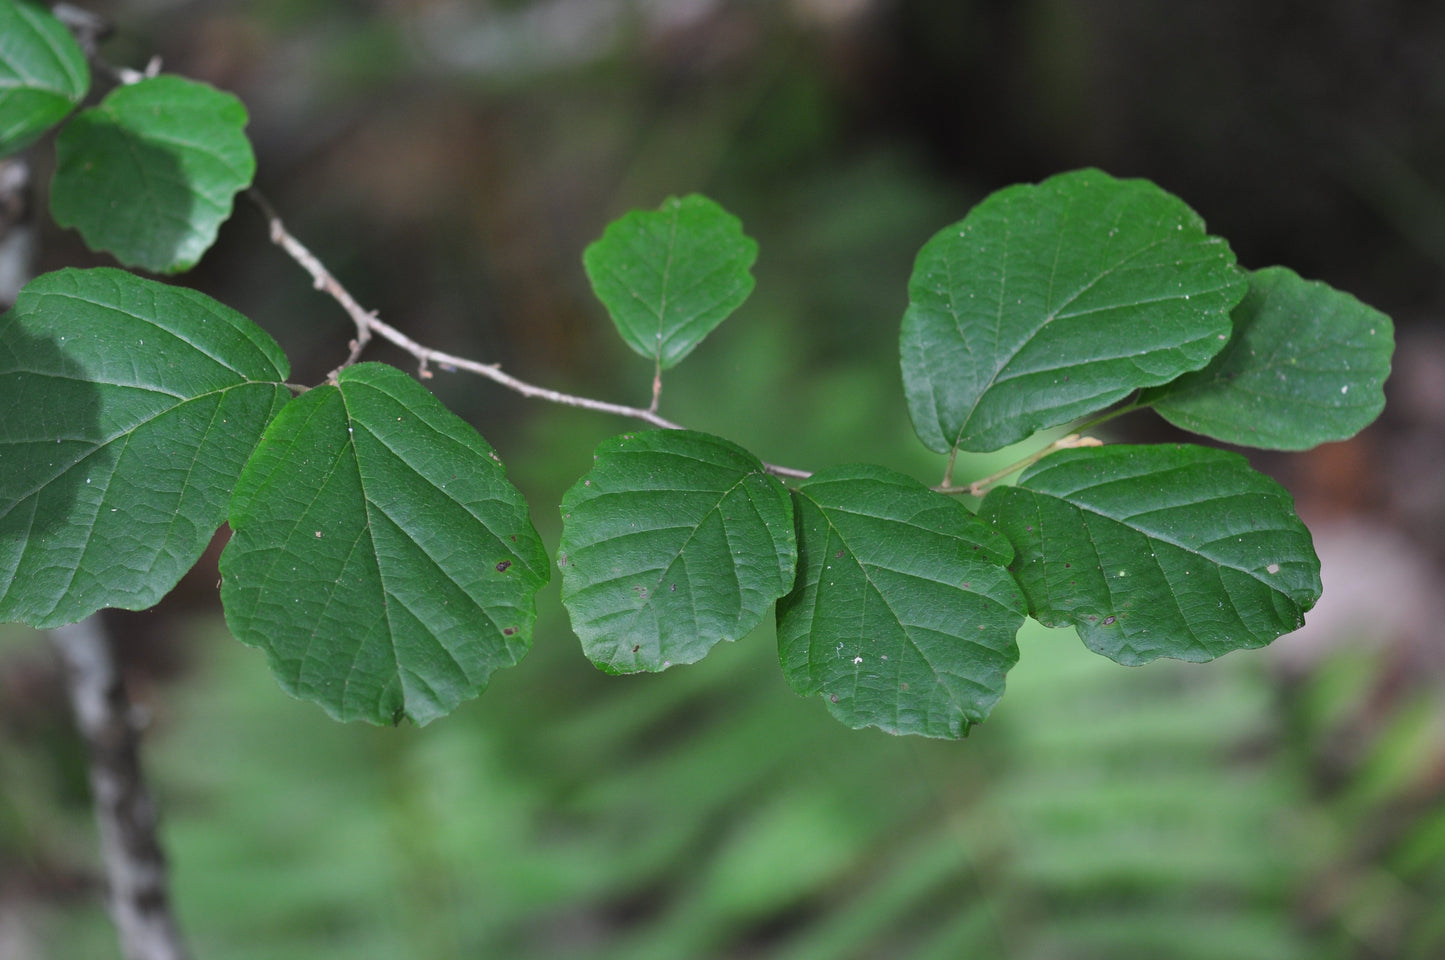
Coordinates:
<point>449,161</point>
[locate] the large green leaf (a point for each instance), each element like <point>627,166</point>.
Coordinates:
<point>1158,551</point>
<point>1050,302</point>
<point>151,173</point>
<point>380,556</point>
<point>1307,365</point>
<point>127,411</point>
<point>673,542</point>
<point>903,616</point>
<point>43,73</point>
<point>669,276</point>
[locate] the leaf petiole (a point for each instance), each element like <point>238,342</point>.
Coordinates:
<point>979,487</point>
<point>1075,439</point>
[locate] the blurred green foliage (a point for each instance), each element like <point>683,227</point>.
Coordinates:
<point>1166,811</point>
<point>707,812</point>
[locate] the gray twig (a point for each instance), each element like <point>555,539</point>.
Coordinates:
<point>367,323</point>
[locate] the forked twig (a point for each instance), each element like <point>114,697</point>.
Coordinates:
<point>368,324</point>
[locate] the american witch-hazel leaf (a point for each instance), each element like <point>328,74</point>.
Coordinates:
<point>669,276</point>
<point>151,173</point>
<point>1158,551</point>
<point>380,557</point>
<point>903,615</point>
<point>43,73</point>
<point>1307,365</point>
<point>1050,302</point>
<point>673,542</point>
<point>128,409</point>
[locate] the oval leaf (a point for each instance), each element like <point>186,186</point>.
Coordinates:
<point>127,411</point>
<point>1307,365</point>
<point>43,74</point>
<point>150,175</point>
<point>669,276</point>
<point>380,557</point>
<point>1158,551</point>
<point>1050,302</point>
<point>673,542</point>
<point>903,616</point>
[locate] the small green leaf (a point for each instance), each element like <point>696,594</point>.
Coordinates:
<point>1158,551</point>
<point>43,74</point>
<point>1050,302</point>
<point>1307,365</point>
<point>127,410</point>
<point>903,616</point>
<point>673,542</point>
<point>151,174</point>
<point>380,557</point>
<point>669,276</point>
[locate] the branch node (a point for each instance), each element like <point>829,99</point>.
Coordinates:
<point>367,323</point>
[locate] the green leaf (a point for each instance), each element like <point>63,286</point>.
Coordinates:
<point>669,276</point>
<point>903,616</point>
<point>1307,365</point>
<point>380,556</point>
<point>150,175</point>
<point>1158,551</point>
<point>127,411</point>
<point>673,542</point>
<point>43,74</point>
<point>1050,302</point>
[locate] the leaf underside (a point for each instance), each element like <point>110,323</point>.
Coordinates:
<point>127,411</point>
<point>669,276</point>
<point>380,557</point>
<point>673,542</point>
<point>1307,365</point>
<point>151,173</point>
<point>1049,302</point>
<point>903,615</point>
<point>1158,551</point>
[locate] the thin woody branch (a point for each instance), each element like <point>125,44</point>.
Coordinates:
<point>368,324</point>
<point>321,279</point>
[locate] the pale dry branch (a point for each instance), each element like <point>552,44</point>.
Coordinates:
<point>368,324</point>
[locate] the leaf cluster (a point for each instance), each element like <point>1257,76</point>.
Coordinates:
<point>387,567</point>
